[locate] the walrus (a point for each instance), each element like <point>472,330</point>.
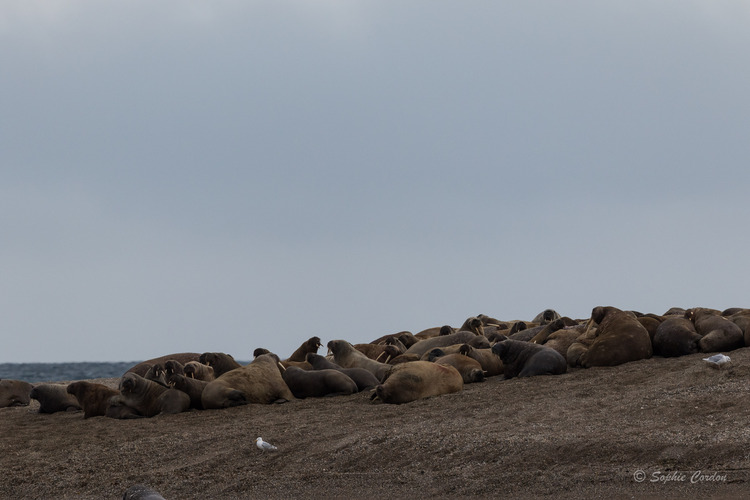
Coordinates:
<point>182,357</point>
<point>54,398</point>
<point>363,378</point>
<point>318,383</point>
<point>434,331</point>
<point>156,373</point>
<point>524,359</point>
<point>219,361</point>
<point>310,345</point>
<point>197,370</point>
<point>742,319</point>
<point>346,356</point>
<point>620,338</point>
<point>545,331</point>
<point>469,369</point>
<point>471,338</point>
<point>173,366</point>
<point>717,332</point>
<point>149,398</point>
<point>375,351</point>
<point>676,336</point>
<point>472,324</point>
<point>141,492</point>
<point>193,387</point>
<point>14,393</point>
<point>258,382</point>
<point>489,320</point>
<point>490,363</point>
<point>546,316</point>
<point>416,380</point>
<point>560,340</point>
<point>93,398</point>
<point>405,337</point>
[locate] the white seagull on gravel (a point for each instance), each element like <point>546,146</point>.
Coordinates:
<point>717,360</point>
<point>265,446</point>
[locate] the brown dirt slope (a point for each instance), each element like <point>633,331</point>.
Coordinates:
<point>587,433</point>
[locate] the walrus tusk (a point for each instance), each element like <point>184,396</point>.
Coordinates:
<point>379,356</point>
<point>283,368</point>
<point>387,359</point>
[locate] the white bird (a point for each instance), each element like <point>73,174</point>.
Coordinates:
<point>717,360</point>
<point>262,445</point>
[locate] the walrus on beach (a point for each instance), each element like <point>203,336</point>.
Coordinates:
<point>150,398</point>
<point>310,345</point>
<point>524,359</point>
<point>620,338</point>
<point>346,356</point>
<point>490,363</point>
<point>318,383</point>
<point>92,397</point>
<point>219,361</point>
<point>472,324</point>
<point>197,370</point>
<point>363,378</point>
<point>173,366</point>
<point>193,387</point>
<point>717,332</point>
<point>676,336</point>
<point>416,380</point>
<point>258,382</point>
<point>54,398</point>
<point>14,393</point>
<point>156,373</point>
<point>183,357</point>
<point>469,369</point>
<point>470,338</point>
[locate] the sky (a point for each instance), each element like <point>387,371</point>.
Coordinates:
<point>186,176</point>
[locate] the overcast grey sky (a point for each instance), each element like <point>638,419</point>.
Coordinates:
<point>225,175</point>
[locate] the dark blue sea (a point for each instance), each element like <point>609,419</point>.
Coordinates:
<point>56,372</point>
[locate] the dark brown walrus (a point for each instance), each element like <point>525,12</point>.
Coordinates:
<point>149,398</point>
<point>92,397</point>
<point>54,398</point>
<point>318,383</point>
<point>363,378</point>
<point>14,393</point>
<point>525,359</point>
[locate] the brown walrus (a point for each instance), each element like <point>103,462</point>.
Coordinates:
<point>416,380</point>
<point>470,369</point>
<point>363,378</point>
<point>183,357</point>
<point>193,387</point>
<point>318,383</point>
<point>219,361</point>
<point>92,397</point>
<point>258,382</point>
<point>149,398</point>
<point>525,359</point>
<point>14,393</point>
<point>620,338</point>
<point>197,370</point>
<point>426,345</point>
<point>717,332</point>
<point>310,345</point>
<point>676,336</point>
<point>346,356</point>
<point>54,398</point>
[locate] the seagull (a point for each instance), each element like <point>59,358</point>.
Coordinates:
<point>262,445</point>
<point>717,360</point>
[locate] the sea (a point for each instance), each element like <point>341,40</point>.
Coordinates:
<point>58,372</point>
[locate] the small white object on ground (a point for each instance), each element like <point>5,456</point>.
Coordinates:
<point>717,360</point>
<point>265,446</point>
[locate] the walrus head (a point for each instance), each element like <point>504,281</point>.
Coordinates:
<point>314,344</point>
<point>501,348</point>
<point>128,383</point>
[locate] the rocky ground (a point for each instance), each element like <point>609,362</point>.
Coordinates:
<point>661,428</point>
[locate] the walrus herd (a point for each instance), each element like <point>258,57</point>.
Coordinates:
<point>396,368</point>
